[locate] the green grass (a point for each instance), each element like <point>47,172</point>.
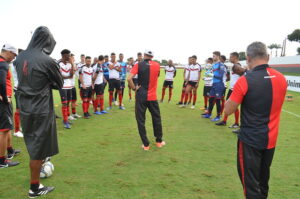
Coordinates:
<point>292,74</point>
<point>102,157</point>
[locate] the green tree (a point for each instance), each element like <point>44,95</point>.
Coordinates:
<point>242,56</point>
<point>164,62</point>
<point>298,49</point>
<point>295,36</point>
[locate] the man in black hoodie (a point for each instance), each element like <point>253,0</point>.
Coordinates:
<point>38,74</point>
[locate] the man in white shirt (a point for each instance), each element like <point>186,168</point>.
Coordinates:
<point>185,76</point>
<point>114,81</point>
<point>74,92</point>
<point>170,72</point>
<point>67,70</point>
<point>192,82</point>
<point>207,82</point>
<point>85,77</point>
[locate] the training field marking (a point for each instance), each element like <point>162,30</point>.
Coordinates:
<point>294,114</point>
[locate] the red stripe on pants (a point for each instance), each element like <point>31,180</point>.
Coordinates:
<point>241,160</point>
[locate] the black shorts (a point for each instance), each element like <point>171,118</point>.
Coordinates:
<point>184,84</point>
<point>135,81</point>
<point>6,117</point>
<point>87,93</point>
<point>193,84</point>
<point>168,84</point>
<point>122,84</point>
<point>228,94</point>
<point>206,91</point>
<point>65,95</point>
<point>74,95</point>
<point>114,84</point>
<point>99,89</point>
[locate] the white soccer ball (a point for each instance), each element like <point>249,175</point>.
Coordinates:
<point>47,170</point>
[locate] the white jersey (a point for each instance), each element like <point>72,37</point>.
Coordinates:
<point>187,70</point>
<point>65,70</point>
<point>78,66</point>
<point>98,70</point>
<point>136,76</point>
<point>225,76</point>
<point>15,76</point>
<point>87,75</point>
<point>114,74</point>
<point>170,72</point>
<point>233,78</point>
<point>194,72</point>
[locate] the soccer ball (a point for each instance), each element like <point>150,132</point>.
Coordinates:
<point>47,170</point>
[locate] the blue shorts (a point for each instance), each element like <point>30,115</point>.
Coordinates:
<point>217,90</point>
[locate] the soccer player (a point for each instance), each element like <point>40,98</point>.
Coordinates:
<point>114,81</point>
<point>66,66</point>
<point>74,92</point>
<point>38,74</point>
<point>17,123</point>
<point>99,84</point>
<point>207,81</point>
<point>261,94</point>
<point>217,89</point>
<point>130,65</point>
<point>234,59</point>
<point>170,72</point>
<point>226,78</point>
<point>185,76</point>
<point>85,77</point>
<point>8,53</point>
<point>123,73</point>
<point>148,72</point>
<point>193,80</point>
<point>78,67</point>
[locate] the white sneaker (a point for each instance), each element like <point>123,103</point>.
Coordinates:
<point>18,134</point>
<point>116,103</point>
<point>193,107</point>
<point>182,106</point>
<point>71,118</point>
<point>76,115</point>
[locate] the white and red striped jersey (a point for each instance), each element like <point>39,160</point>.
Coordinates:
<point>114,74</point>
<point>87,75</point>
<point>65,70</point>
<point>194,72</point>
<point>187,70</point>
<point>170,72</point>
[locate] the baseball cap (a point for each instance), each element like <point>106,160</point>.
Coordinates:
<point>11,48</point>
<point>149,52</point>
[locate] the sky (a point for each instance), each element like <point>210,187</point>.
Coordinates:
<point>172,29</point>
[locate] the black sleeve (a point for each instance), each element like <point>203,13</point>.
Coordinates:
<point>55,75</point>
<point>3,74</point>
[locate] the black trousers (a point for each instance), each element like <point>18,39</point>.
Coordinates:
<point>140,113</point>
<point>254,170</point>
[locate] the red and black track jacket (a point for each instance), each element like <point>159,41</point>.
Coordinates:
<point>261,94</point>
<point>148,73</point>
<point>5,80</point>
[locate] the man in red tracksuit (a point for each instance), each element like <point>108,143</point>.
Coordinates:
<point>261,94</point>
<point>148,73</point>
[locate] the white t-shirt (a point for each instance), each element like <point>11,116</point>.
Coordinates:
<point>87,75</point>
<point>79,65</point>
<point>187,70</point>
<point>98,70</point>
<point>114,74</point>
<point>65,70</point>
<point>194,72</point>
<point>233,79</point>
<point>170,71</point>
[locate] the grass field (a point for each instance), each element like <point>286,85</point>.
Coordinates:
<point>102,157</point>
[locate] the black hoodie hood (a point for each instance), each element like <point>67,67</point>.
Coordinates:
<point>42,40</point>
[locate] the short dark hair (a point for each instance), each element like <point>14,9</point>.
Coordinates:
<point>105,56</point>
<point>72,55</point>
<point>139,54</point>
<point>82,55</point>
<point>121,54</point>
<point>217,53</point>
<point>100,58</point>
<point>223,57</point>
<point>194,56</point>
<point>113,54</point>
<point>210,59</point>
<point>88,57</point>
<point>235,54</point>
<point>65,51</point>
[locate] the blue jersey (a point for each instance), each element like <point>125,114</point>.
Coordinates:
<point>105,70</point>
<point>218,70</point>
<point>124,70</point>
